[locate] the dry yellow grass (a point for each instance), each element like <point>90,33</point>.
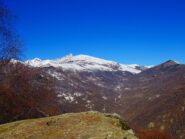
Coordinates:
<point>86,125</point>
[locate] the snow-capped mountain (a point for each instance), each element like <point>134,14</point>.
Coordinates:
<point>85,63</point>
<point>154,96</point>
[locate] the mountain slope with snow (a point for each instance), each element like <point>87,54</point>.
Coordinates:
<point>85,63</point>
<point>154,98</point>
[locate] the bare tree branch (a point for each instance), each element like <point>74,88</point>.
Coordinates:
<point>10,44</point>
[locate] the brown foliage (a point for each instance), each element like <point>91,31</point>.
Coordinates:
<point>152,134</point>
<point>22,96</point>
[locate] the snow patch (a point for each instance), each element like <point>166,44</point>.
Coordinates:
<point>67,97</point>
<point>104,97</point>
<point>56,75</point>
<point>77,94</point>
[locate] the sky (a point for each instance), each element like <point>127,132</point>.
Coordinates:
<point>145,32</point>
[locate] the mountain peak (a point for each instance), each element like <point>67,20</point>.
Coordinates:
<point>36,60</point>
<point>170,63</point>
<point>81,57</point>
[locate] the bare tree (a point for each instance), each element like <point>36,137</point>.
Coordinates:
<point>10,44</point>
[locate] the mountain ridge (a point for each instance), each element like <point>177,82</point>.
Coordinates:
<point>85,63</point>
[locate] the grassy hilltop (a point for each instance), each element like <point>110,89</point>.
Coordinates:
<point>86,125</point>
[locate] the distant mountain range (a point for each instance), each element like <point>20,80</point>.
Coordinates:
<point>147,97</point>
<point>85,63</point>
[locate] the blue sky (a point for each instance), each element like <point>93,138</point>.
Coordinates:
<point>128,31</point>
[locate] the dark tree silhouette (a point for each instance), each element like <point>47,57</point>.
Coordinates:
<point>24,93</point>
<point>10,44</point>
